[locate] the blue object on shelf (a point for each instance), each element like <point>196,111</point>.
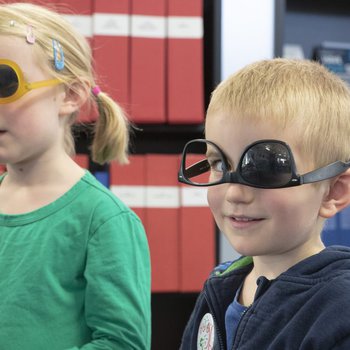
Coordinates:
<point>337,229</point>
<point>103,177</point>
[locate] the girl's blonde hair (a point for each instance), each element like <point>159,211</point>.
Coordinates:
<point>300,95</point>
<point>111,134</point>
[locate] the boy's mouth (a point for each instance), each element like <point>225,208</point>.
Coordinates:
<point>243,221</point>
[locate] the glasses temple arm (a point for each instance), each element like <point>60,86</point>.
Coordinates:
<point>43,83</point>
<point>197,169</point>
<point>324,173</point>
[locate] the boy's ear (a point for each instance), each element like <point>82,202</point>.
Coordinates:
<point>338,196</point>
<point>76,94</point>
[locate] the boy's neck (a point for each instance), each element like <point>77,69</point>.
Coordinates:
<point>272,266</point>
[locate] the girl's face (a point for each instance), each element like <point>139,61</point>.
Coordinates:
<point>30,128</point>
<point>264,222</point>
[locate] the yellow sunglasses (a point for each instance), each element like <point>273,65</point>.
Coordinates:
<point>13,84</point>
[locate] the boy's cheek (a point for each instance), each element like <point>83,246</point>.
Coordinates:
<point>215,201</point>
<point>212,196</point>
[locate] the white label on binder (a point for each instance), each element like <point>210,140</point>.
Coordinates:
<point>185,27</point>
<point>111,24</point>
<point>133,196</point>
<point>162,197</point>
<point>82,23</point>
<point>194,197</point>
<point>148,26</point>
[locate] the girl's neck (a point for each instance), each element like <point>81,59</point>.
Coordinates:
<point>43,172</point>
<point>26,189</point>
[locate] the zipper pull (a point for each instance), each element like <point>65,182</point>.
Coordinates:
<point>263,284</point>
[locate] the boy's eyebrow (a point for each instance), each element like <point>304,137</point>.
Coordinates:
<point>211,152</point>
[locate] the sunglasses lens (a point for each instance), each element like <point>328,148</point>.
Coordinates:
<point>267,165</point>
<point>8,81</point>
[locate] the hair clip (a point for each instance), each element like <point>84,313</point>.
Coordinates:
<point>58,54</point>
<point>30,35</point>
<point>96,90</point>
<point>12,23</point>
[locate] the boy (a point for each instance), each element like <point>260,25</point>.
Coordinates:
<point>273,131</point>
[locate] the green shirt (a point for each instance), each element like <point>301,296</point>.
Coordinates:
<point>75,274</point>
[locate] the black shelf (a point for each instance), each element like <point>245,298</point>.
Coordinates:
<point>169,139</point>
<point>325,7</point>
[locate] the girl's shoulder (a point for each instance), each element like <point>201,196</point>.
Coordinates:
<point>102,198</point>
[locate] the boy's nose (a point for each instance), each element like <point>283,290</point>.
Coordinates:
<point>237,193</point>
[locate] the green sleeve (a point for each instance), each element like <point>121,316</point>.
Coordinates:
<point>117,305</point>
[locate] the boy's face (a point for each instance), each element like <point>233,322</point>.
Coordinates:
<point>264,222</point>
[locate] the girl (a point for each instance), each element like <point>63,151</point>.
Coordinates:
<point>74,260</point>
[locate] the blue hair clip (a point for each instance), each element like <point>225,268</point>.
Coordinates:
<point>58,54</point>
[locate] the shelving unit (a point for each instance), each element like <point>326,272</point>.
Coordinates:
<point>309,23</point>
<point>170,311</point>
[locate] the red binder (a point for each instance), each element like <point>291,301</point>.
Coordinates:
<point>128,184</point>
<point>111,28</point>
<point>148,49</point>
<point>163,221</point>
<point>185,62</point>
<point>82,160</point>
<point>197,237</point>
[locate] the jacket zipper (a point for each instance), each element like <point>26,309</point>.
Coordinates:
<point>240,320</point>
<point>217,330</point>
<point>263,285</point>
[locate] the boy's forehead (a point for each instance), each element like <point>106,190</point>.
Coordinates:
<point>234,131</point>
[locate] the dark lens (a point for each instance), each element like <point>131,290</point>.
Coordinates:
<point>203,163</point>
<point>267,165</point>
<point>8,81</point>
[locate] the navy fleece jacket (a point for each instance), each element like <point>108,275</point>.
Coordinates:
<point>307,307</point>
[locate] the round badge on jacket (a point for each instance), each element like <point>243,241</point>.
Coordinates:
<point>206,333</point>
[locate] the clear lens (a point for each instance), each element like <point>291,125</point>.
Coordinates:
<point>8,81</point>
<point>203,163</point>
<point>267,164</point>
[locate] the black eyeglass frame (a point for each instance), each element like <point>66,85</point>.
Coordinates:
<point>320,174</point>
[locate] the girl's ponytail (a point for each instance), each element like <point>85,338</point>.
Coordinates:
<point>111,134</point>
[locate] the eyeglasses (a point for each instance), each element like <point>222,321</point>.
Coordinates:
<point>13,84</point>
<point>263,164</point>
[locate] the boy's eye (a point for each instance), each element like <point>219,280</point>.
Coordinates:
<point>216,164</point>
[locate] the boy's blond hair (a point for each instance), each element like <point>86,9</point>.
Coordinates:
<point>299,95</point>
<point>111,135</point>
